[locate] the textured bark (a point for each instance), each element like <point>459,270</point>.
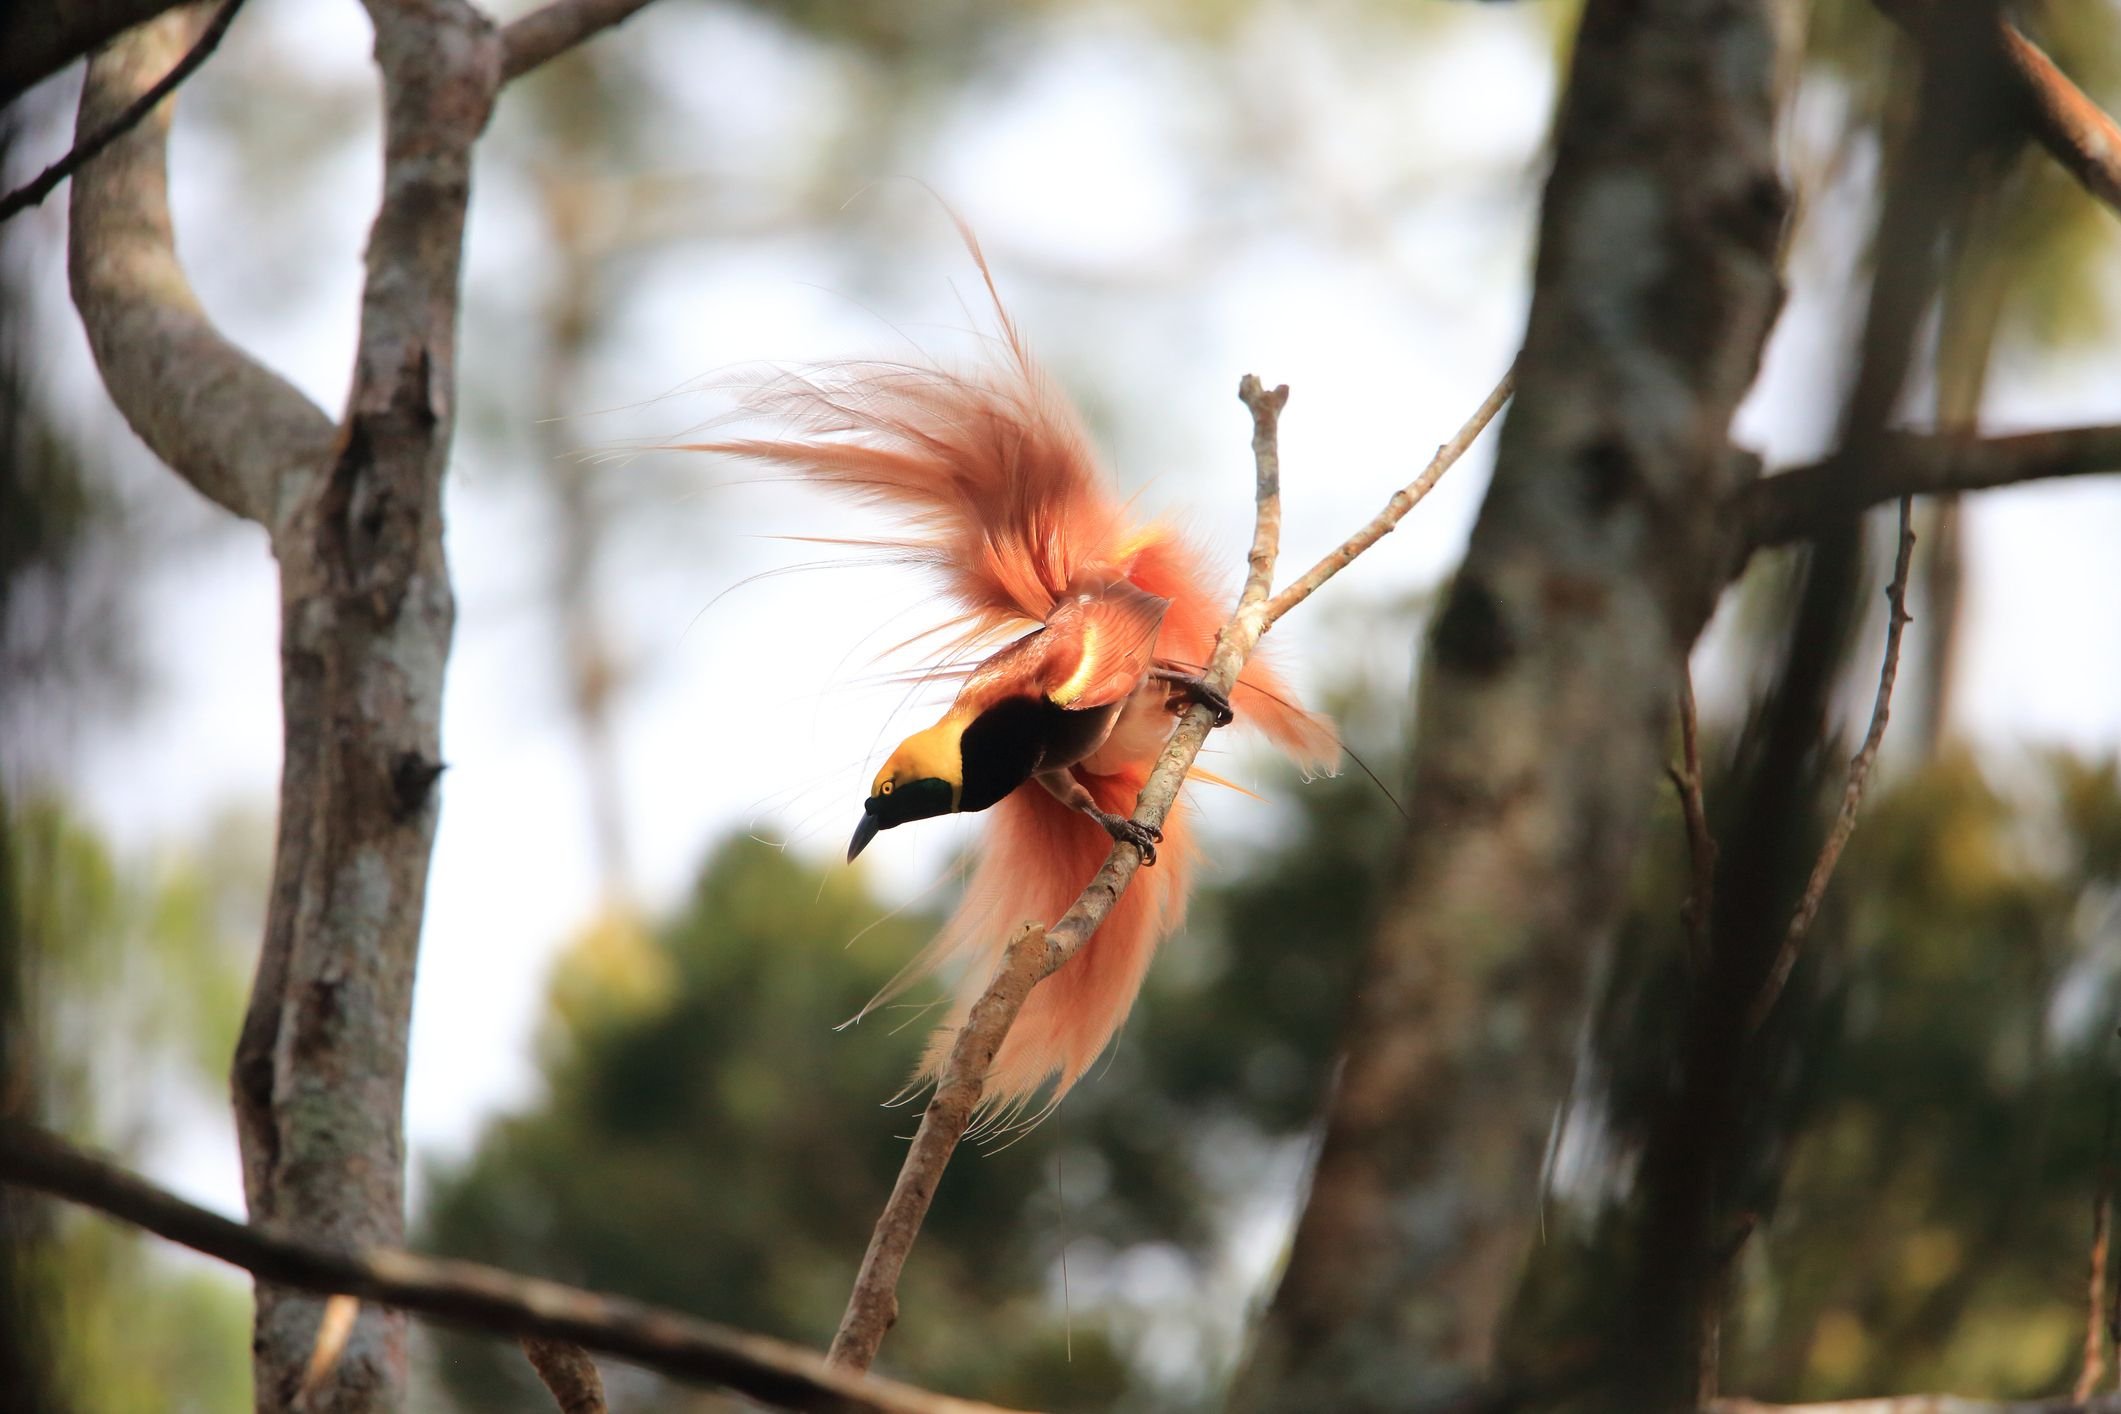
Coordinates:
<point>366,617</point>
<point>355,518</point>
<point>1598,553</point>
<point>1711,1155</point>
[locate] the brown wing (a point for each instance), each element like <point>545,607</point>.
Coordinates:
<point>1099,643</point>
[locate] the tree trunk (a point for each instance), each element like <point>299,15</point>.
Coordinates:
<point>355,515</point>
<point>1544,708</point>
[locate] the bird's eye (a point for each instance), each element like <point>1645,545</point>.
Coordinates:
<point>884,789</point>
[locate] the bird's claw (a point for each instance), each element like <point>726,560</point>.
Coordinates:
<point>1191,688</point>
<point>1144,838</point>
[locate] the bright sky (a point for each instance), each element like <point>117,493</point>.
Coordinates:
<point>1071,161</point>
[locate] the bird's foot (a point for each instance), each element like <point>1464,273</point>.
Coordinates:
<point>1190,688</point>
<point>1143,837</point>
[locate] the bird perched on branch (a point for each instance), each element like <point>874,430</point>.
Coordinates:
<point>1095,629</point>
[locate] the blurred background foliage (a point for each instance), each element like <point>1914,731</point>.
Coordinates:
<point>1932,1126</point>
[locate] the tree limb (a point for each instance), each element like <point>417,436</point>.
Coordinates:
<point>1859,779</point>
<point>2076,132</point>
<point>2056,113</point>
<point>220,419</point>
<point>367,613</point>
<point>469,1294</point>
<point>547,33</point>
<point>568,1373</point>
<point>1403,500</point>
<point>1797,504</point>
<point>1686,778</point>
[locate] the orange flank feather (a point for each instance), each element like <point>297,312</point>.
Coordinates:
<point>998,494</point>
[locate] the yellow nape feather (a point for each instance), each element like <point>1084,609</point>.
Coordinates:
<point>929,754</point>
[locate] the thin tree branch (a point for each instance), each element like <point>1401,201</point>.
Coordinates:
<point>1036,953</point>
<point>1866,756</point>
<point>1403,500</point>
<point>872,1307</point>
<point>2076,132</point>
<point>469,1294</point>
<point>547,33</point>
<point>38,40</point>
<point>218,418</point>
<point>84,150</point>
<point>2095,1304</point>
<point>569,1374</point>
<point>1700,844</point>
<point>1799,503</point>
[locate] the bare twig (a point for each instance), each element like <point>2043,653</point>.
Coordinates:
<point>1036,953</point>
<point>545,34</point>
<point>1859,778</point>
<point>2095,1301</point>
<point>1700,844</point>
<point>84,150</point>
<point>1799,503</point>
<point>872,1308</point>
<point>1403,500</point>
<point>569,1374</point>
<point>469,1294</point>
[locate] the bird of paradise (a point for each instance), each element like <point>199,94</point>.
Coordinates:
<point>1102,623</point>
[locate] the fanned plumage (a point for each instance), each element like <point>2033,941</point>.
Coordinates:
<point>998,494</point>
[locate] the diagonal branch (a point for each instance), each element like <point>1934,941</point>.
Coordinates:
<point>470,1294</point>
<point>567,1373</point>
<point>545,34</point>
<point>1403,500</point>
<point>220,419</point>
<point>36,41</point>
<point>2076,132</point>
<point>2057,114</point>
<point>1800,503</point>
<point>1859,779</point>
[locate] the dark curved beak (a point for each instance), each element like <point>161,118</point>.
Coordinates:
<point>863,833</point>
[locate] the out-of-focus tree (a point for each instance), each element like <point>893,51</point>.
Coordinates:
<point>132,990</point>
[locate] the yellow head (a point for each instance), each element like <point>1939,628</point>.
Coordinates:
<point>925,776</point>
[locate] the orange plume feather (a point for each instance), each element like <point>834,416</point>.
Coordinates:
<point>998,494</point>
